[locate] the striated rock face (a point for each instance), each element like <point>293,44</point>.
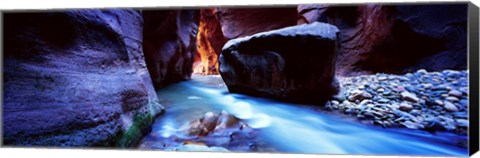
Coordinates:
<point>169,43</point>
<point>274,63</point>
<point>444,32</point>
<point>217,25</point>
<point>210,41</point>
<point>240,22</point>
<point>76,78</point>
<point>395,39</point>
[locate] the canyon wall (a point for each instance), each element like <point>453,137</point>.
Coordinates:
<point>169,44</point>
<point>217,25</point>
<point>76,78</point>
<point>210,41</point>
<point>395,38</point>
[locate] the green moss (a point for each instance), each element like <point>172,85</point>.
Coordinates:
<point>132,135</point>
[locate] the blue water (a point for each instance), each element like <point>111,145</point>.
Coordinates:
<point>294,128</point>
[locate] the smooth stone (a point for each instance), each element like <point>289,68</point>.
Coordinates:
<point>452,99</point>
<point>450,106</point>
<point>416,113</point>
<point>462,115</point>
<point>462,123</point>
<point>455,93</point>
<point>406,107</point>
<point>382,78</point>
<point>383,100</point>
<point>195,147</point>
<point>334,102</point>
<point>359,95</point>
<point>412,125</point>
<point>438,102</point>
<point>463,102</point>
<point>409,96</point>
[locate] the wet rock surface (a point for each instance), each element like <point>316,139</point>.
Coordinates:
<point>294,63</point>
<point>421,100</point>
<point>395,38</point>
<point>210,41</point>
<point>76,78</point>
<point>211,132</point>
<point>169,42</point>
<point>241,22</point>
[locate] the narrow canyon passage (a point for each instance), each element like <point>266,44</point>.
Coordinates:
<point>284,127</point>
<point>366,79</point>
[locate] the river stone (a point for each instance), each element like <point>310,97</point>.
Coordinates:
<point>452,99</point>
<point>409,96</point>
<point>462,123</point>
<point>226,120</point>
<point>382,78</point>
<point>197,147</point>
<point>455,93</point>
<point>406,106</point>
<point>450,106</point>
<point>359,95</point>
<point>438,102</point>
<point>275,63</point>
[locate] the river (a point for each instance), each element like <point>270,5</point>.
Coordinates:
<point>292,128</point>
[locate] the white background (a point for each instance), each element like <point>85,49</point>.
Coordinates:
<point>89,153</point>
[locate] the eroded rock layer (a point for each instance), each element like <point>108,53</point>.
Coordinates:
<point>76,78</point>
<point>295,63</point>
<point>395,39</point>
<point>240,22</point>
<point>210,41</point>
<point>170,44</point>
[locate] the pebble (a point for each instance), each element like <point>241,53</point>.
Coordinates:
<point>455,93</point>
<point>409,96</point>
<point>452,99</point>
<point>406,107</point>
<point>359,95</point>
<point>382,78</point>
<point>462,123</point>
<point>334,102</point>
<point>421,100</point>
<point>450,106</point>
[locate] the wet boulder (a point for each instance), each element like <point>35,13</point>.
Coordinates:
<point>294,63</point>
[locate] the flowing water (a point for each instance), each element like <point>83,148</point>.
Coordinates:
<point>293,128</point>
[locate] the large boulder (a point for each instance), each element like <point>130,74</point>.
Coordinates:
<point>294,63</point>
<point>395,38</point>
<point>169,42</point>
<point>76,78</point>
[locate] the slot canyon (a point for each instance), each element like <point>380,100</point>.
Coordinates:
<point>365,79</point>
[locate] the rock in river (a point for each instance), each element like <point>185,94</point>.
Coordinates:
<point>409,97</point>
<point>450,106</point>
<point>294,63</point>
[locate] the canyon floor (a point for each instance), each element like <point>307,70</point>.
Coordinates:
<point>420,113</point>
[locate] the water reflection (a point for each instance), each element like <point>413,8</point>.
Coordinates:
<point>286,127</point>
